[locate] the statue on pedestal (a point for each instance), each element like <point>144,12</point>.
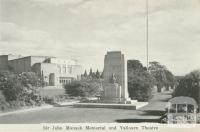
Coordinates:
<point>113,78</point>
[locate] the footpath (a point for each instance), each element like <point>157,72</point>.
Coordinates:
<point>155,109</point>
<point>26,109</point>
<point>35,108</point>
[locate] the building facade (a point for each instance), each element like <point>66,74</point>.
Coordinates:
<point>53,71</point>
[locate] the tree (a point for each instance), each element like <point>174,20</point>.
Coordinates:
<point>97,74</point>
<point>135,65</point>
<point>164,78</point>
<point>140,82</point>
<point>156,66</point>
<point>189,85</point>
<point>85,74</point>
<point>90,73</point>
<point>20,87</point>
<point>171,79</point>
<point>30,78</point>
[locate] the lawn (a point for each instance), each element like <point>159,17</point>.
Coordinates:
<point>69,114</point>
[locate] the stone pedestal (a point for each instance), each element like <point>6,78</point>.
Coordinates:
<point>112,93</point>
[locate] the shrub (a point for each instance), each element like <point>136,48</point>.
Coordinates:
<point>20,88</point>
<point>84,88</point>
<point>189,85</point>
<point>3,104</point>
<point>49,100</point>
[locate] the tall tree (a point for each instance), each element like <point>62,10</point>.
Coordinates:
<point>140,82</point>
<point>85,74</point>
<point>135,65</point>
<point>90,73</point>
<point>97,74</point>
<point>163,76</point>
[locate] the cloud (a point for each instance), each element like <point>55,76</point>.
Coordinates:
<point>61,2</point>
<point>12,32</point>
<point>86,29</point>
<point>15,37</point>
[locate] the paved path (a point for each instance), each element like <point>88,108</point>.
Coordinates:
<point>69,114</point>
<point>158,102</point>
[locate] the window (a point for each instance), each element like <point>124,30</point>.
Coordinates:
<point>173,108</point>
<point>70,70</point>
<point>64,70</point>
<point>182,108</point>
<point>59,69</point>
<point>190,108</point>
<point>65,80</point>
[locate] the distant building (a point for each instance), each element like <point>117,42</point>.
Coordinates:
<point>53,71</point>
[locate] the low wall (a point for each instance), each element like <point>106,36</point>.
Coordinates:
<point>111,106</point>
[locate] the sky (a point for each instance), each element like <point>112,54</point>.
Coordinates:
<point>86,29</point>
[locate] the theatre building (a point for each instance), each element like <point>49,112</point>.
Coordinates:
<point>53,71</point>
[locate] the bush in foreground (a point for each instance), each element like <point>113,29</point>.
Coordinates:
<point>20,89</point>
<point>84,88</point>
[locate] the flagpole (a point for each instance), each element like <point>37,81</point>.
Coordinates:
<point>147,34</point>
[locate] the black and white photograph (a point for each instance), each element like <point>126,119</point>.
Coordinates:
<point>120,65</point>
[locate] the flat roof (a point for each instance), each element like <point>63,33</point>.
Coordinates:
<point>32,56</point>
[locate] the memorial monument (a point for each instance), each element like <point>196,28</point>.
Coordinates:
<point>115,85</point>
<point>115,78</point>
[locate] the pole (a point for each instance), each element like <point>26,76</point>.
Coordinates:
<point>147,34</point>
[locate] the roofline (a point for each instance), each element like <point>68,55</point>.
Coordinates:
<point>31,56</point>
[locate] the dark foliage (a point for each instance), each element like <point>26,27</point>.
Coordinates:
<point>92,75</point>
<point>20,89</point>
<point>140,82</point>
<point>164,78</point>
<point>84,88</point>
<point>189,85</point>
